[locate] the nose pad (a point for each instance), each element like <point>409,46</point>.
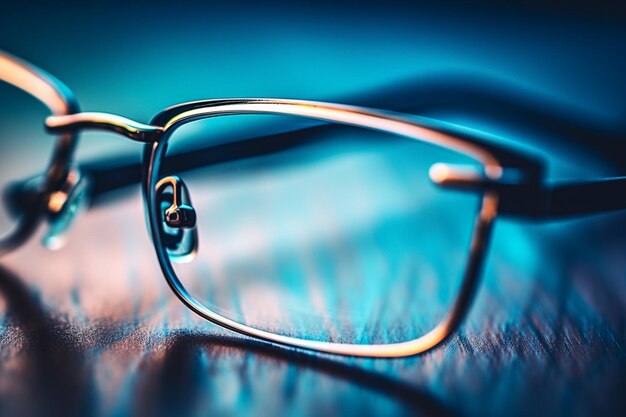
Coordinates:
<point>63,207</point>
<point>60,207</point>
<point>178,220</point>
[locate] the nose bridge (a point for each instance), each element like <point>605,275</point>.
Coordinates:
<point>72,123</point>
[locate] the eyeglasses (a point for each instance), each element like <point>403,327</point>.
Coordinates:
<point>321,226</point>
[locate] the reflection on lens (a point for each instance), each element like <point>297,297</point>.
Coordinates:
<point>25,148</point>
<point>336,234</point>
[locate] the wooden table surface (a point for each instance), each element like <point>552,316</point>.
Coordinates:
<point>93,329</point>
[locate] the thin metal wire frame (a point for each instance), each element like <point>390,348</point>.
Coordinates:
<point>525,196</point>
<point>59,99</point>
<point>394,125</point>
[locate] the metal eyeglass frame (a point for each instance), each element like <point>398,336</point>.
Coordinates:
<point>511,184</point>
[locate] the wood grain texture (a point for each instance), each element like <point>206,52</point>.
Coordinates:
<point>93,330</point>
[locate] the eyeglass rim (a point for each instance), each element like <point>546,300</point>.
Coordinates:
<point>60,100</point>
<point>397,124</point>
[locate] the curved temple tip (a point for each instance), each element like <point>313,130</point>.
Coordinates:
<point>103,121</point>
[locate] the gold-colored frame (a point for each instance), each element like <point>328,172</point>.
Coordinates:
<point>511,183</point>
<point>393,124</point>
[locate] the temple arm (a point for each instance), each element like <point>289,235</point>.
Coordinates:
<point>537,201</point>
<point>552,202</point>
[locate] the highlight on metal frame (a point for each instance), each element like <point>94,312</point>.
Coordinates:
<point>508,182</point>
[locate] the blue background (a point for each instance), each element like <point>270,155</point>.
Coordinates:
<point>546,335</point>
<point>135,59</point>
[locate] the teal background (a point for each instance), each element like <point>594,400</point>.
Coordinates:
<point>135,59</point>
<point>546,335</point>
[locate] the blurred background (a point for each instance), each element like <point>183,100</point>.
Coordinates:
<point>541,77</point>
<point>138,59</point>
